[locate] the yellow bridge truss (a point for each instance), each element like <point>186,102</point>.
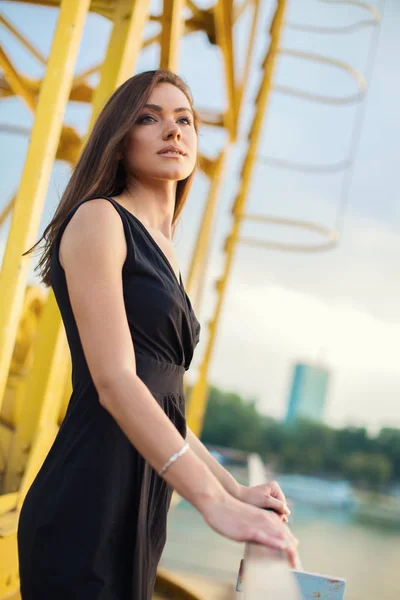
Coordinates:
<point>35,370</point>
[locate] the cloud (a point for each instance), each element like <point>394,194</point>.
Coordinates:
<point>361,272</point>
<point>341,307</point>
<point>265,330</point>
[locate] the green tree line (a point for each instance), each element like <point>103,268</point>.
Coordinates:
<point>304,446</point>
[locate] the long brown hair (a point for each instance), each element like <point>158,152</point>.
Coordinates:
<point>98,170</point>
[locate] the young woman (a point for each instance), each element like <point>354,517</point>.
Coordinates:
<point>93,524</point>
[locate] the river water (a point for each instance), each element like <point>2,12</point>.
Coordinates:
<point>331,543</point>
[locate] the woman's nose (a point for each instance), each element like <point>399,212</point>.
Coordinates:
<point>173,132</point>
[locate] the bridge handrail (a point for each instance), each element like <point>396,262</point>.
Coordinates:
<point>267,575</point>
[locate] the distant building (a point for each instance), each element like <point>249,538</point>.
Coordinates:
<point>308,393</point>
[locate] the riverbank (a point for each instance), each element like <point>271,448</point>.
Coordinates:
<point>378,509</point>
<point>332,542</point>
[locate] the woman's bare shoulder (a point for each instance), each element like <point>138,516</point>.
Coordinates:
<point>94,228</point>
<point>94,252</point>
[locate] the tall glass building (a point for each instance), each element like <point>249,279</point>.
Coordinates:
<point>308,393</point>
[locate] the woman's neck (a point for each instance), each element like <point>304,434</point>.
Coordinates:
<point>153,206</point>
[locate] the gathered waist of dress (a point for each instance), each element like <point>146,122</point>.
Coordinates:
<point>160,376</point>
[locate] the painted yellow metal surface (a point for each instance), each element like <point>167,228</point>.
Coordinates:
<point>200,255</point>
<point>171,33</point>
<point>33,185</point>
<point>199,395</point>
<point>35,371</point>
<point>129,18</point>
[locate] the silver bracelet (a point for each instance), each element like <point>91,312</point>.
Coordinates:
<point>173,458</point>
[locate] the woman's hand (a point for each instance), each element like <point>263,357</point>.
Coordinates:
<point>246,523</point>
<point>266,495</point>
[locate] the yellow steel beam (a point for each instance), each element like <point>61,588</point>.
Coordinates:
<point>188,26</point>
<point>34,343</point>
<point>214,170</point>
<point>123,49</point>
<point>15,81</point>
<point>223,28</point>
<point>196,11</point>
<point>21,38</point>
<point>170,586</point>
<point>21,364</point>
<point>198,397</point>
<point>195,279</point>
<point>8,502</point>
<point>214,118</point>
<point>239,8</point>
<point>9,579</point>
<point>6,211</point>
<point>52,3</point>
<point>102,7</point>
<point>81,78</point>
<point>69,146</point>
<point>207,164</point>
<point>172,29</point>
<point>218,24</point>
<point>35,177</point>
<point>252,37</point>
<point>38,423</point>
<point>81,91</point>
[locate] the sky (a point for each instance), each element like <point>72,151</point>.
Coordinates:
<point>339,308</point>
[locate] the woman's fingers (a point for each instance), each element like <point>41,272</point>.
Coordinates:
<point>293,557</point>
<point>283,516</point>
<point>287,541</point>
<point>247,523</point>
<point>291,538</point>
<point>280,538</point>
<point>285,520</point>
<point>270,540</point>
<point>276,505</point>
<point>289,545</point>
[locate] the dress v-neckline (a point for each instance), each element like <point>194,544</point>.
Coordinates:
<point>179,281</point>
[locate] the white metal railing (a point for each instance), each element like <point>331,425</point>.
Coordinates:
<point>267,574</point>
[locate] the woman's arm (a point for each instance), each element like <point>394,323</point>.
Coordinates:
<point>267,495</point>
<point>224,477</point>
<point>94,281</point>
<point>93,250</point>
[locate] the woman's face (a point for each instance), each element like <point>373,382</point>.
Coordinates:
<point>166,120</point>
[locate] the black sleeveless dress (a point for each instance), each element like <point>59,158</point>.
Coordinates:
<point>93,524</point>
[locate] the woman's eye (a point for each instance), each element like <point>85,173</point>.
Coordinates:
<point>144,118</point>
<point>150,118</point>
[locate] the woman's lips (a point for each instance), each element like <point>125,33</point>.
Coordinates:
<point>170,154</point>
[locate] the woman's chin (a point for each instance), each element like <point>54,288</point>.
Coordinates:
<point>171,174</point>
